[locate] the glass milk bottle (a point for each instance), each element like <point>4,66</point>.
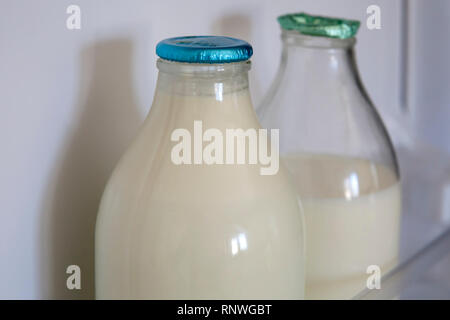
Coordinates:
<point>339,155</point>
<point>193,210</point>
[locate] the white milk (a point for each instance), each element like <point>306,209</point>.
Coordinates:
<point>196,231</point>
<point>352,212</point>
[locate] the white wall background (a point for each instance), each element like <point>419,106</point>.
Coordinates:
<point>71,100</point>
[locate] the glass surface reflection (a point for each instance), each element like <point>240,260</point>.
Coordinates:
<point>238,243</point>
<point>351,186</point>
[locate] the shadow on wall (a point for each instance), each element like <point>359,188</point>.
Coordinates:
<point>238,26</point>
<point>233,25</point>
<point>108,119</point>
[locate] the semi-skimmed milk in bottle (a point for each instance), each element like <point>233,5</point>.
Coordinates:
<point>193,210</point>
<point>339,156</point>
<point>352,214</point>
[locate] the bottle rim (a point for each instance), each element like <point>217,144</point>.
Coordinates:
<point>203,70</point>
<point>295,38</point>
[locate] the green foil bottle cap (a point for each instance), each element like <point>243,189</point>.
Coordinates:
<point>319,25</point>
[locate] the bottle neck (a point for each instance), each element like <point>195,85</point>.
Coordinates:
<point>190,79</point>
<point>216,94</point>
<point>325,62</point>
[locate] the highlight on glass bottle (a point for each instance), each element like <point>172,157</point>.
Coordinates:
<point>178,221</point>
<point>338,153</point>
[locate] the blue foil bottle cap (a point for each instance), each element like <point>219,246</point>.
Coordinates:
<point>204,49</point>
